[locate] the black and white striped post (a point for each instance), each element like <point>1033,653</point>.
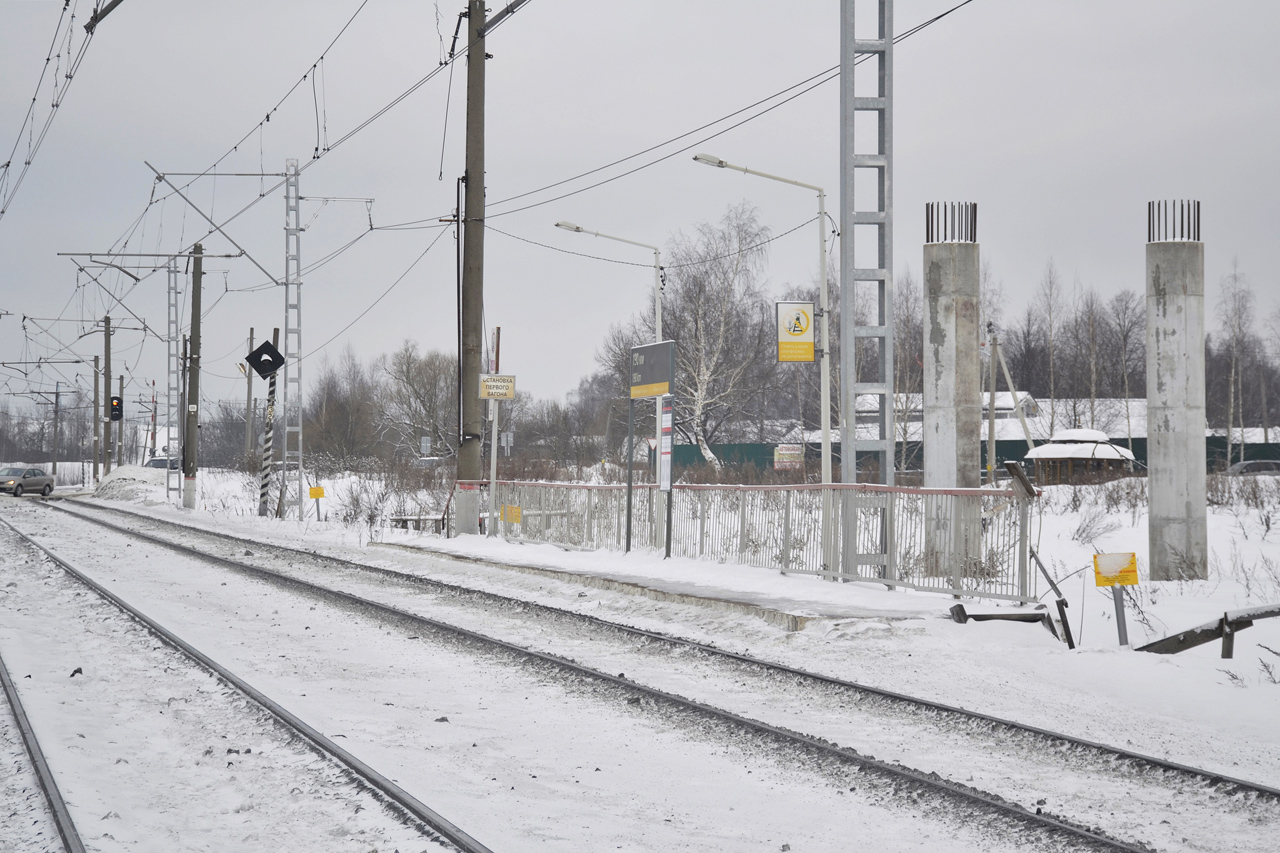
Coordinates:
<point>268,438</point>
<point>266,360</point>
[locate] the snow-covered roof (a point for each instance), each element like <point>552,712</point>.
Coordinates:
<point>1082,450</point>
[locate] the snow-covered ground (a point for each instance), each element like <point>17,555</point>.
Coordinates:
<point>1195,707</point>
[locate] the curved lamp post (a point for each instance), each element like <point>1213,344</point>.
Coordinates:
<point>825,363</point>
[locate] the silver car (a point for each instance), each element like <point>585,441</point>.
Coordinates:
<point>20,480</point>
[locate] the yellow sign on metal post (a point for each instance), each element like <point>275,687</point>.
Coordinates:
<point>511,514</point>
<point>795,331</point>
<point>1117,571</point>
<point>317,492</point>
<point>495,386</point>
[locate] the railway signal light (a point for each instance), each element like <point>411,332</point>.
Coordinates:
<point>117,409</point>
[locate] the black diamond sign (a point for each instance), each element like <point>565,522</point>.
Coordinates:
<point>266,359</point>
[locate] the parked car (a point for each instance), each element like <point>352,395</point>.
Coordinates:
<point>161,462</point>
<point>1255,466</point>
<point>20,480</point>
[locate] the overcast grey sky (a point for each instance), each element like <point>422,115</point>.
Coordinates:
<point>1060,119</point>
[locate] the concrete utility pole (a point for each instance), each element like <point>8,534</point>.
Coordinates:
<point>1176,488</point>
<point>153,419</point>
<point>120,429</point>
<point>97,420</point>
<point>182,401</point>
<point>471,298</point>
<point>248,404</point>
<point>193,384</point>
<point>106,409</point>
<point>57,394</point>
<point>952,387</point>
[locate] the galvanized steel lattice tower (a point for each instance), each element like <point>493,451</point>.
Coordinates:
<point>867,349</point>
<point>291,475</point>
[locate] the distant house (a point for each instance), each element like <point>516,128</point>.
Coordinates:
<point>1073,455</point>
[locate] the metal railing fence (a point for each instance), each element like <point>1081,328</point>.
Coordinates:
<point>969,542</point>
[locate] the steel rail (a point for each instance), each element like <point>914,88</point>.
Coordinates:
<point>1107,750</point>
<point>894,773</point>
<point>57,806</point>
<point>364,772</point>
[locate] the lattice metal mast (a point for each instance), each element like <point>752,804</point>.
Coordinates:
<point>877,337</point>
<point>291,478</point>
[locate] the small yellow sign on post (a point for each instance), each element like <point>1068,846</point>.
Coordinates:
<point>511,514</point>
<point>795,331</point>
<point>1115,569</point>
<point>317,492</point>
<point>494,386</point>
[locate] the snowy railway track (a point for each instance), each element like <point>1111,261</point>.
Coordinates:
<point>1216,793</point>
<point>347,778</point>
<point>22,826</point>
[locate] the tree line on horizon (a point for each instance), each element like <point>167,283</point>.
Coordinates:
<point>1068,344</point>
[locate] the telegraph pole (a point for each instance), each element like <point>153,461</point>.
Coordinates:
<point>120,429</point>
<point>57,389</point>
<point>471,298</point>
<point>153,419</point>
<point>106,409</point>
<point>193,384</point>
<point>182,401</point>
<point>97,420</point>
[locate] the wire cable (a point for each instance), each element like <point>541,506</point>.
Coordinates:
<point>35,141</point>
<point>382,296</point>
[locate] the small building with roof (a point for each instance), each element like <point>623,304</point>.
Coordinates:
<point>1073,455</point>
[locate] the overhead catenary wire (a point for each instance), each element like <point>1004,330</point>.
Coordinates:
<point>809,83</point>
<point>732,254</point>
<point>381,296</point>
<point>805,86</point>
<point>8,188</point>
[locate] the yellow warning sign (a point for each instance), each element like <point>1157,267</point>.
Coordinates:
<point>317,492</point>
<point>1115,569</point>
<point>511,514</point>
<point>795,331</point>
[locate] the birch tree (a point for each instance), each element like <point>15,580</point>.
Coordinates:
<point>714,309</point>
<point>1235,314</point>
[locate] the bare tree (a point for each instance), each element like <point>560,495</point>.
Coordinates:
<point>1235,314</point>
<point>1092,324</point>
<point>1128,326</point>
<point>420,398</point>
<point>908,361</point>
<point>719,319</point>
<point>1049,303</point>
<point>340,413</point>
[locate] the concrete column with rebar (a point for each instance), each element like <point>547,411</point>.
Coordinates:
<point>1178,527</point>
<point>952,368</point>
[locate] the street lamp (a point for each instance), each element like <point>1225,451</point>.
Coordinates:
<point>657,302</point>
<point>824,304</point>
<point>825,363</point>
